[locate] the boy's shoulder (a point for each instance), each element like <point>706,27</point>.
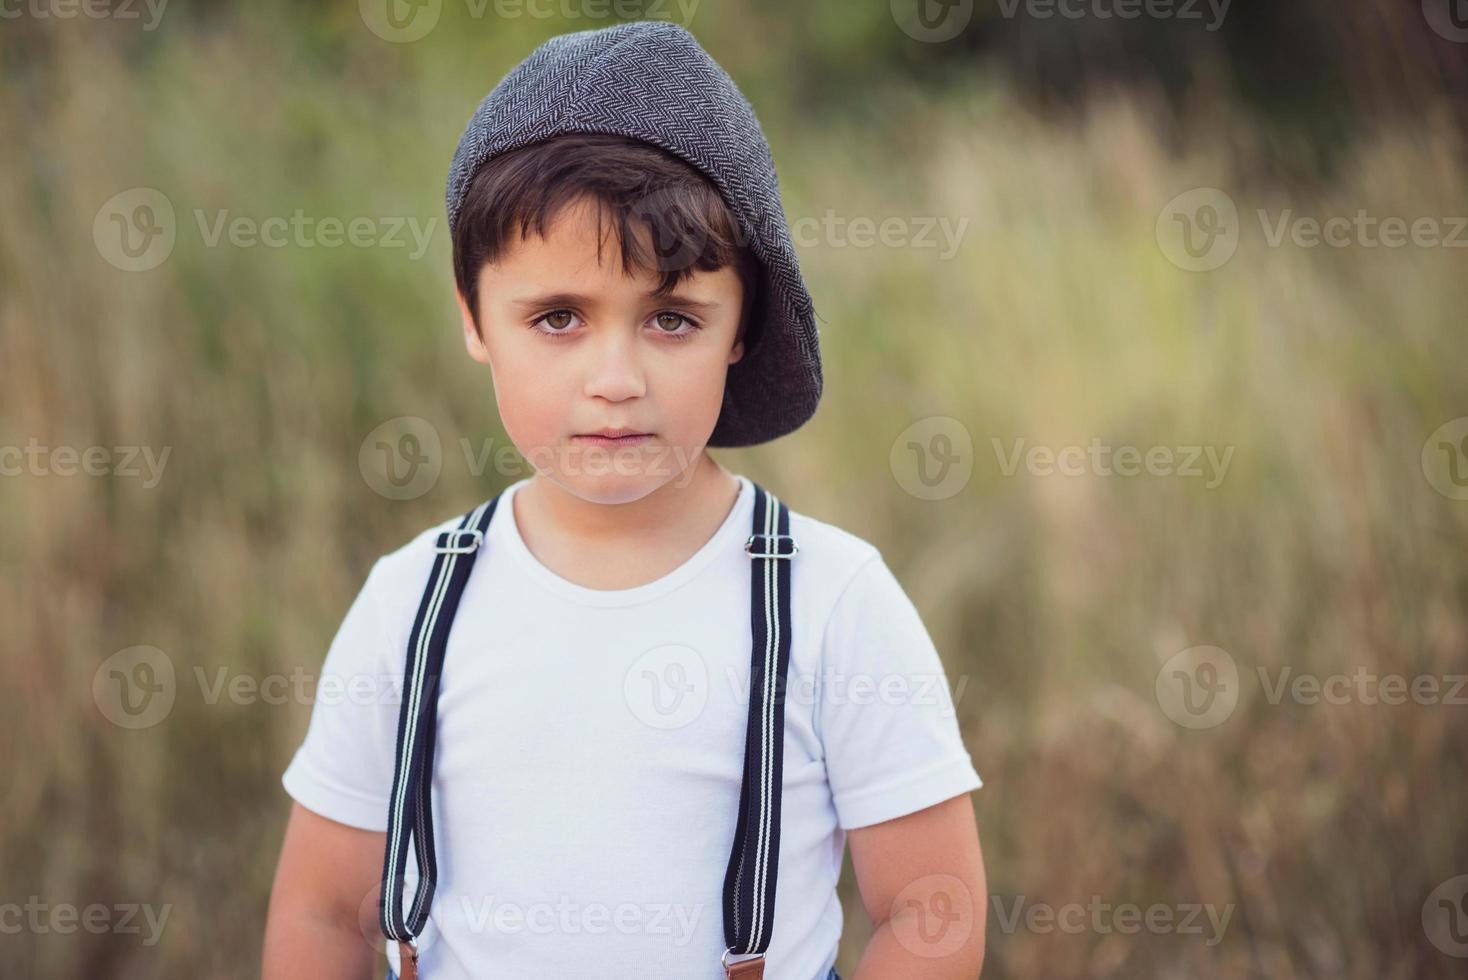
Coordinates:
<point>411,561</point>
<point>834,545</point>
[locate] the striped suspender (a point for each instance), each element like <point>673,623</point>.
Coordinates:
<point>749,882</point>
<point>410,812</point>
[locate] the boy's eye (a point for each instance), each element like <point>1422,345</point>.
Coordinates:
<point>670,322</point>
<point>558,320</point>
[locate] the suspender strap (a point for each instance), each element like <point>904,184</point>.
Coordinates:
<point>410,814</point>
<point>749,882</point>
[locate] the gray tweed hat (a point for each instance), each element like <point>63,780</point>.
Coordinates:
<point>650,80</point>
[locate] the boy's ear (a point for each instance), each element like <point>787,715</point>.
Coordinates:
<point>736,353</point>
<point>472,341</point>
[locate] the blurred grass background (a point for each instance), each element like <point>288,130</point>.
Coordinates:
<point>1054,600</point>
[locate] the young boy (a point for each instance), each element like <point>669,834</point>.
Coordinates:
<point>621,780</point>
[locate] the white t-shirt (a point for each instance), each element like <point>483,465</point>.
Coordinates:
<point>591,745</point>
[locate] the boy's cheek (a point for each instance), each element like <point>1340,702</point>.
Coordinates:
<point>689,405</point>
<point>532,414</point>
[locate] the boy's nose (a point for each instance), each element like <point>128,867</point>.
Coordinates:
<point>616,372</point>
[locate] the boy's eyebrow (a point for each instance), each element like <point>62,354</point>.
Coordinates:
<point>548,300</point>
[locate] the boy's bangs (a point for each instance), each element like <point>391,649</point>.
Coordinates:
<point>668,219</point>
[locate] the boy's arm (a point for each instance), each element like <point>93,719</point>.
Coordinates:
<point>900,777</point>
<point>921,878</point>
<point>322,918</point>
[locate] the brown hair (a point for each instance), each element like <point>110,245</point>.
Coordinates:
<point>633,183</point>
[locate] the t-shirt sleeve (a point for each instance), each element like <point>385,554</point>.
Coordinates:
<point>343,769</point>
<point>886,716</point>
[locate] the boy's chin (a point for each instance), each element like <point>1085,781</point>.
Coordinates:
<point>623,477</point>
<point>607,489</point>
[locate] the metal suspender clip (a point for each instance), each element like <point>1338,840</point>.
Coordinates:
<point>459,542</point>
<point>775,539</point>
<point>751,968</point>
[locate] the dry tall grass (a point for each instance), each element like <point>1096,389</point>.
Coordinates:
<point>1054,599</point>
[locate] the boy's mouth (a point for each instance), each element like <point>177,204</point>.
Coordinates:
<point>613,437</point>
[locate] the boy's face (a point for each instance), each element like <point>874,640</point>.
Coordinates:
<point>575,346</point>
